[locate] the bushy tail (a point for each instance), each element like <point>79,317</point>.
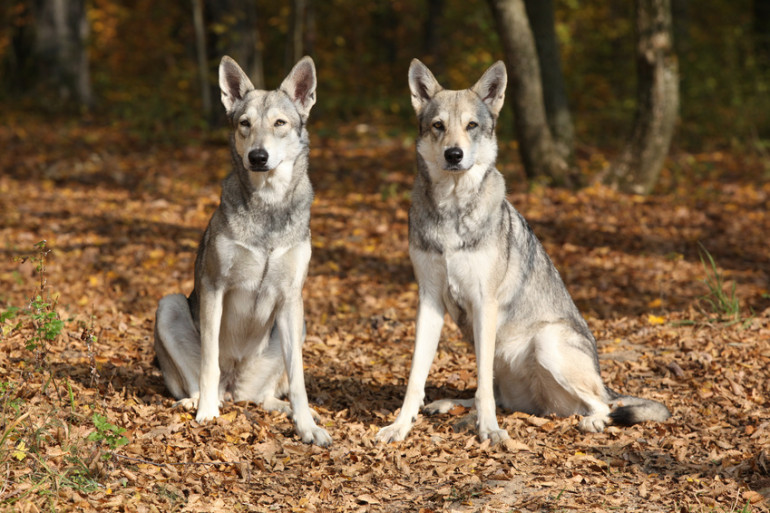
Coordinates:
<point>628,410</point>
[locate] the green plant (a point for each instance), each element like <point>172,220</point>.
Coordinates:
<point>724,305</point>
<point>110,434</point>
<point>45,321</point>
<point>9,399</point>
<point>42,309</point>
<point>9,314</point>
<point>40,313</point>
<point>30,429</point>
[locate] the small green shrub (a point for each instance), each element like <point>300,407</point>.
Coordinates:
<point>722,304</point>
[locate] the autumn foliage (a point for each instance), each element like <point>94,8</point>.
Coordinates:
<point>86,424</point>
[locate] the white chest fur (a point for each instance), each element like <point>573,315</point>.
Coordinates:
<point>258,282</point>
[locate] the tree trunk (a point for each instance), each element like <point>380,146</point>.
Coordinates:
<point>638,167</point>
<point>430,42</point>
<point>541,19</point>
<point>203,62</point>
<point>536,144</point>
<point>311,32</point>
<point>761,12</point>
<point>61,47</point>
<point>296,46</point>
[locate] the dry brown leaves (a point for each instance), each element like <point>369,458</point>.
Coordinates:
<point>123,222</point>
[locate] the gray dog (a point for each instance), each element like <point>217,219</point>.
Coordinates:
<point>240,333</point>
<point>476,257</point>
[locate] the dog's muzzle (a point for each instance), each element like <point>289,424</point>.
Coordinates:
<point>258,160</point>
<point>453,157</point>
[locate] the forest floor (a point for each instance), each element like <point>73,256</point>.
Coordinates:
<point>86,423</point>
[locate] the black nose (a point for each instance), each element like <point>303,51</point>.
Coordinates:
<point>258,157</point>
<point>453,155</point>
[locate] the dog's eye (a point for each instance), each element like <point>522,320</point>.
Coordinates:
<point>245,123</point>
<point>472,125</point>
<point>279,122</point>
<point>438,125</point>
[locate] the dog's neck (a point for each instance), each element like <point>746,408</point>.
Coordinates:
<point>452,191</point>
<point>271,187</point>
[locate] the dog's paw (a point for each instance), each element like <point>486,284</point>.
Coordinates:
<point>440,406</point>
<point>316,435</point>
<point>188,403</point>
<point>274,404</point>
<point>205,414</point>
<point>593,424</point>
<point>495,436</point>
<point>393,433</point>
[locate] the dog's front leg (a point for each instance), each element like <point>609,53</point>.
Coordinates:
<point>485,334</point>
<point>430,319</point>
<point>210,320</point>
<point>290,326</point>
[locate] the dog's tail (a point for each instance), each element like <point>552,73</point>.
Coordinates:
<point>628,410</point>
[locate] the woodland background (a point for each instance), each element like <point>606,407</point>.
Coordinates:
<point>111,153</point>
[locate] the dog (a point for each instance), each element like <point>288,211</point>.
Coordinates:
<point>475,257</point>
<point>239,334</point>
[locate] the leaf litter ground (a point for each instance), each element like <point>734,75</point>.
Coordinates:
<point>122,220</point>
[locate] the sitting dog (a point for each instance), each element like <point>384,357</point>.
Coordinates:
<point>239,334</point>
<point>476,257</point>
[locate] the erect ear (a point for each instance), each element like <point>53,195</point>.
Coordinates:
<point>300,85</point>
<point>233,82</point>
<point>491,87</point>
<point>422,84</point>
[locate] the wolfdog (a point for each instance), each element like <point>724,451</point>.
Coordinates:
<point>239,334</point>
<point>475,257</point>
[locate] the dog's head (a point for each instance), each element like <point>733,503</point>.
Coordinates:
<point>268,126</point>
<point>457,128</point>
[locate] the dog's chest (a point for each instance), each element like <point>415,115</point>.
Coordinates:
<point>255,269</point>
<point>258,282</point>
<point>460,277</point>
<point>247,267</point>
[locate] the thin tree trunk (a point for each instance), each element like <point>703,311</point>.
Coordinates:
<point>296,39</point>
<point>61,44</point>
<point>543,23</point>
<point>257,68</point>
<point>85,92</point>
<point>638,167</point>
<point>203,62</point>
<point>431,43</point>
<point>536,144</point>
<point>311,32</point>
<point>430,33</point>
<point>761,12</point>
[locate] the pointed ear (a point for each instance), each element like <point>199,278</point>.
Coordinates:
<point>491,87</point>
<point>233,82</point>
<point>422,84</point>
<point>300,85</point>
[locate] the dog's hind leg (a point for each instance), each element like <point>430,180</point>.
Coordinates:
<point>177,344</point>
<point>567,379</point>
